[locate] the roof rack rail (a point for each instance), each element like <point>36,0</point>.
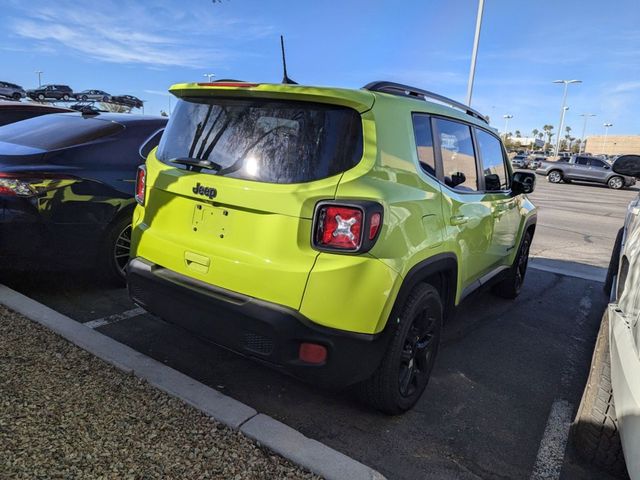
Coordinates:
<point>407,91</point>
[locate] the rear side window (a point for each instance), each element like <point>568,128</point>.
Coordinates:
<point>582,161</point>
<point>494,168</point>
<point>55,131</point>
<point>424,143</point>
<point>594,162</point>
<point>264,140</point>
<point>458,156</point>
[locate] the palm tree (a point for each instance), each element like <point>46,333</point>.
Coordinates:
<point>548,132</point>
<point>535,132</point>
<point>518,134</point>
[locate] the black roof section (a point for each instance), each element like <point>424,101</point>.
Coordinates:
<point>413,92</point>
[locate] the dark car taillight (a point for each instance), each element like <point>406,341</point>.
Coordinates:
<point>351,227</point>
<point>26,184</point>
<point>141,184</point>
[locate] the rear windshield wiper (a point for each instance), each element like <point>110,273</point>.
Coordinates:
<point>196,163</point>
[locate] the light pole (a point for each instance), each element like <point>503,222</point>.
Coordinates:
<point>563,109</point>
<point>606,132</point>
<point>584,128</point>
<point>209,75</point>
<point>506,124</point>
<point>39,73</point>
<point>474,53</point>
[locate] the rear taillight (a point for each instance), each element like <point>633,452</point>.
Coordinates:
<point>141,184</point>
<point>350,227</point>
<point>28,184</point>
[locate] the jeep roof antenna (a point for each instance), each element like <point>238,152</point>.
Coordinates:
<point>285,78</point>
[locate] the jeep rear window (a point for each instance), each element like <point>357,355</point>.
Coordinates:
<point>55,131</point>
<point>263,140</point>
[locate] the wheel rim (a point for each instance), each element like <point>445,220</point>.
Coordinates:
<point>121,249</point>
<point>615,182</point>
<point>523,262</point>
<point>554,177</point>
<point>418,353</point>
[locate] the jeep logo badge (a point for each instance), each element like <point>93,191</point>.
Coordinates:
<point>206,191</point>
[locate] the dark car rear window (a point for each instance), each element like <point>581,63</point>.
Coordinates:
<point>55,131</point>
<point>264,140</point>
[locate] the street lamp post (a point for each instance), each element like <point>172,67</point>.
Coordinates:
<point>209,75</point>
<point>584,128</point>
<point>506,124</point>
<point>39,73</point>
<point>563,109</point>
<point>606,132</point>
<point>474,53</point>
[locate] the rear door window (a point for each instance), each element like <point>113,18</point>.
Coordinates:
<point>582,161</point>
<point>458,155</point>
<point>264,140</point>
<point>55,131</point>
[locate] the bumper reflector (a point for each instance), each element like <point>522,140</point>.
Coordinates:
<point>312,353</point>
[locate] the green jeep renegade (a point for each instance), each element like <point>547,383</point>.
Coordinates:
<point>327,232</point>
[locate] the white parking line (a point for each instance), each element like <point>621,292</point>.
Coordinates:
<point>118,317</point>
<point>556,433</point>
<point>554,441</point>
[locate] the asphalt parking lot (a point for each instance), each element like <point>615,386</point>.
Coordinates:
<point>509,374</point>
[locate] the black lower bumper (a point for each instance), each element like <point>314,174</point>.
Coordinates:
<point>264,331</point>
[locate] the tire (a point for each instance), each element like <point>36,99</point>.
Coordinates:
<point>114,253</point>
<point>84,98</point>
<point>511,286</point>
<point>595,429</point>
<point>405,369</point>
<point>615,183</point>
<point>105,99</point>
<point>40,96</point>
<point>555,176</point>
<point>16,96</point>
<point>65,97</point>
<point>614,263</point>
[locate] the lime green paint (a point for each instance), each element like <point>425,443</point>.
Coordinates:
<point>254,238</point>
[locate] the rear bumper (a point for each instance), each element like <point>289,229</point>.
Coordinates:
<point>269,333</point>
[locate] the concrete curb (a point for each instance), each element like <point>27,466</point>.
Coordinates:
<point>277,436</point>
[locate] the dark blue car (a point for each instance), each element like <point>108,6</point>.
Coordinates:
<point>67,186</point>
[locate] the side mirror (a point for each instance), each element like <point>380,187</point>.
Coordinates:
<point>627,165</point>
<point>457,178</point>
<point>523,182</point>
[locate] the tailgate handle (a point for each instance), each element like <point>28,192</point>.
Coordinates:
<point>197,262</point>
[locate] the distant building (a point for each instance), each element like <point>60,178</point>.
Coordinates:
<point>526,141</point>
<point>613,144</point>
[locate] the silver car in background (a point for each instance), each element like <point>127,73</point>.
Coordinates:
<point>98,95</point>
<point>607,426</point>
<point>584,169</point>
<point>12,91</point>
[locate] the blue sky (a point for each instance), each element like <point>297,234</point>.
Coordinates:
<point>142,47</point>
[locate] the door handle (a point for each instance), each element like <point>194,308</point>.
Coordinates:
<point>459,220</point>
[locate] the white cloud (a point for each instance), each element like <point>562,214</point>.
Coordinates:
<point>128,32</point>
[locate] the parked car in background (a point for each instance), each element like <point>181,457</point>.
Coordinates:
<point>536,161</point>
<point>128,100</point>
<point>11,112</point>
<point>57,92</point>
<point>520,161</point>
<point>262,202</point>
<point>585,169</point>
<point>99,95</point>
<point>11,90</point>
<point>607,426</point>
<point>67,184</point>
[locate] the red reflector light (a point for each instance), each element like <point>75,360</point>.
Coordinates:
<point>229,84</point>
<point>312,353</point>
<point>141,184</point>
<point>374,225</point>
<point>340,227</point>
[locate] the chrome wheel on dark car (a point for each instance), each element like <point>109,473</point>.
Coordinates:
<point>122,248</point>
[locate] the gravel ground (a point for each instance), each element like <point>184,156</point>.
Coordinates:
<point>65,414</point>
